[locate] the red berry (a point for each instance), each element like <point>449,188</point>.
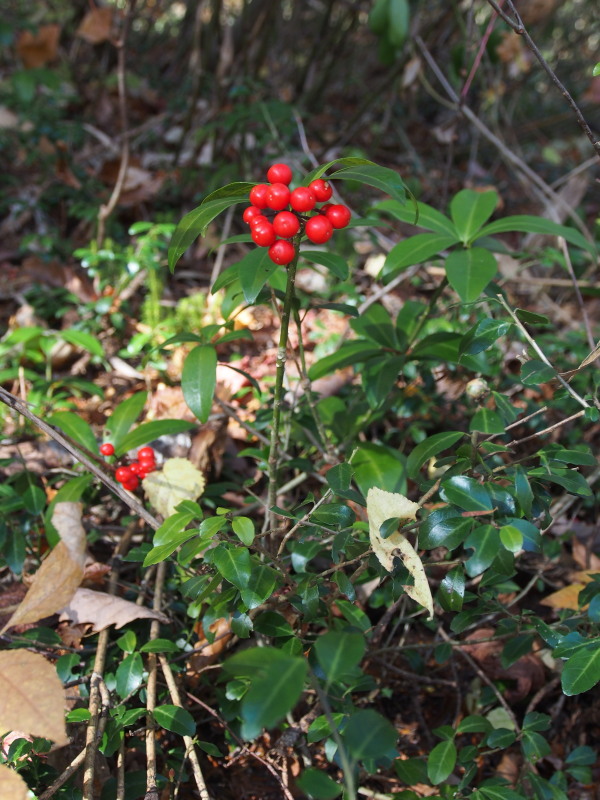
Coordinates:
<point>282,252</point>
<point>259,219</point>
<point>286,224</point>
<point>136,467</point>
<point>146,470</point>
<point>324,207</point>
<point>263,235</point>
<point>250,212</point>
<point>107,449</point>
<point>131,484</point>
<point>145,452</point>
<point>319,229</point>
<point>338,215</point>
<point>123,474</point>
<point>321,190</point>
<point>146,461</point>
<point>278,196</point>
<point>302,199</point>
<point>258,195</point>
<point>279,173</point>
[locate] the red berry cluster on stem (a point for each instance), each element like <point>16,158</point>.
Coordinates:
<point>131,475</point>
<point>291,207</point>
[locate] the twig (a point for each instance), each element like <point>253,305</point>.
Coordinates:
<point>300,522</point>
<point>64,776</point>
<point>98,706</point>
<point>107,209</point>
<point>17,405</point>
<point>479,56</point>
<point>189,742</point>
<point>151,788</point>
<point>588,328</point>
<point>546,430</point>
<point>518,27</point>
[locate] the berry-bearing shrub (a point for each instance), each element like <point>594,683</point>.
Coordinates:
<point>279,215</point>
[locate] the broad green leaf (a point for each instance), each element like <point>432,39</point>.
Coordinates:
<point>339,477</point>
<point>333,515</point>
<point>34,499</point>
<point>423,216</point>
<point>414,250</point>
<point>523,490</point>
<point>577,457</point>
<point>428,448</point>
<point>261,585</point>
<point>486,542</point>
<point>175,719</point>
<point>530,534</point>
<point>383,178</point>
<point>369,735</point>
<point>535,371</point>
<point>198,380</point>
<point>487,421</point>
<point>500,792</point>
<point>337,265</point>
<point>151,430</point>
<point>255,269</point>
<point>243,527</point>
<point>316,783</point>
<point>160,646</point>
<point>320,729</point>
<point>344,584</point>
<point>124,415</point>
<point>379,376</point>
<point>444,528</point>
<point>474,724</point>
<point>350,161</point>
<point>441,762</point>
<point>339,652</point>
<point>171,527</point>
<point>571,480</point>
<point>380,466</point>
<point>469,272</point>
<point>379,16</point>
<point>452,589</point>
<point>83,340</point>
<point>582,671</point>
<point>529,224</point>
<point>270,623</point>
<point>129,675</point>
<point>376,324</point>
<point>511,538</point>
<point>195,223</point>
<point>162,551</point>
<point>483,335</point>
<point>470,210</point>
<point>515,648</point>
<point>467,493</point>
<point>76,428</point>
<point>234,564</point>
<point>350,354</point>
<point>399,21</point>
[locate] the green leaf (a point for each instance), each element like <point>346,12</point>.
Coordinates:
<point>151,430</point>
<point>428,448</point>
<point>596,70</point>
<point>317,784</point>
<point>414,250</point>
<point>474,724</point>
<point>160,552</point>
<point>483,335</point>
<point>171,527</point>
<point>379,465</point>
<point>570,480</point>
<point>320,729</point>
<point>270,623</point>
<point>376,324</point>
<point>523,490</point>
<point>582,671</point>
<point>234,564</point>
<point>261,585</point>
<point>485,541</point>
<point>243,527</point>
<point>399,21</point>
<point>379,376</point>
<point>467,493</point>
<point>76,428</point>
<point>369,735</point>
<point>339,477</point>
<point>351,161</point>
<point>424,216</point>
<point>515,648</point>
<point>195,223</point>
<point>530,224</point>
<point>500,792</point>
<point>350,353</point>
<point>175,719</point>
<point>84,340</point>
<point>124,415</point>
<point>379,16</point>
<point>534,372</point>
<point>469,272</point>
<point>129,675</point>
<point>470,210</point>
<point>198,380</point>
<point>487,421</point>
<point>444,528</point>
<point>332,515</point>
<point>337,265</point>
<point>255,269</point>
<point>531,318</point>
<point>339,652</point>
<point>373,175</point>
<point>160,646</point>
<point>452,589</point>
<point>34,499</point>
<point>511,538</point>
<point>441,762</point>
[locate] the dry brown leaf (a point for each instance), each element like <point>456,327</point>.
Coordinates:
<point>31,696</point>
<point>102,610</point>
<point>179,480</point>
<point>95,26</point>
<point>60,574</point>
<point>568,596</point>
<point>12,785</point>
<point>583,556</point>
<point>37,50</point>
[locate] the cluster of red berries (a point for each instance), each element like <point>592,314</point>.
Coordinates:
<point>275,231</point>
<point>131,475</point>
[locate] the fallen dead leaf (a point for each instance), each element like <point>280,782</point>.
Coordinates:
<point>568,596</point>
<point>31,696</point>
<point>101,610</point>
<point>206,653</point>
<point>12,785</point>
<point>179,480</point>
<point>95,26</point>
<point>60,574</point>
<point>584,557</point>
<point>38,49</point>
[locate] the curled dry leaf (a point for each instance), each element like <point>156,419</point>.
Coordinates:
<point>382,505</point>
<point>179,480</point>
<point>12,785</point>
<point>568,596</point>
<point>60,574</point>
<point>31,697</point>
<point>101,610</point>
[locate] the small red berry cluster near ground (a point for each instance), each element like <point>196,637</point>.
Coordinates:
<point>130,476</point>
<point>291,207</point>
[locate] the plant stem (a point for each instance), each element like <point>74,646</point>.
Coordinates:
<point>278,393</point>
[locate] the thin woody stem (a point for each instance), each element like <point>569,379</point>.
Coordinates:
<point>278,392</point>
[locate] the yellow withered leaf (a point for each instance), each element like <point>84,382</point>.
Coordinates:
<point>179,480</point>
<point>12,785</point>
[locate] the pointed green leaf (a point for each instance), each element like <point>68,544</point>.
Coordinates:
<point>175,719</point>
<point>428,448</point>
<point>423,216</point>
<point>467,493</point>
<point>344,162</point>
<point>582,671</point>
<point>316,783</point>
<point>373,175</point>
<point>487,421</point>
<point>198,380</point>
<point>485,541</point>
<point>369,735</point>
<point>470,271</point>
<point>529,224</point>
<point>452,589</point>
<point>151,430</point>
<point>414,250</point>
<point>470,210</point>
<point>83,340</point>
<point>234,564</point>
<point>76,428</point>
<point>124,415</point>
<point>129,675</point>
<point>350,353</point>
<point>254,270</point>
<point>441,762</point>
<point>339,652</point>
<point>337,265</point>
<point>243,527</point>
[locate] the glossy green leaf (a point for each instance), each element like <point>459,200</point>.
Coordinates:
<point>349,354</point>
<point>378,465</point>
<point>470,210</point>
<point>485,541</point>
<point>428,448</point>
<point>515,648</point>
<point>523,490</point>
<point>444,528</point>
<point>260,586</point>
<point>369,735</point>
<point>333,262</point>
<point>320,728</point>
<point>483,335</point>
<point>161,552</point>
<point>474,724</point>
<point>424,216</point>
<point>198,380</point>
<point>399,21</point>
<point>339,477</point>
<point>160,646</point>
<point>316,783</point>
<point>171,527</point>
<point>175,719</point>
<point>531,224</point>
<point>234,564</point>
<point>469,272</point>
<point>255,269</point>
<point>582,671</point>
<point>441,762</point>
<point>34,499</point>
<point>571,480</point>
<point>383,178</point>
<point>339,652</point>
<point>84,340</point>
<point>511,538</point>
<point>243,527</point>
<point>195,223</point>
<point>333,515</point>
<point>124,415</point>
<point>379,377</point>
<point>76,428</point>
<point>152,430</point>
<point>129,675</point>
<point>349,161</point>
<point>452,589</point>
<point>534,372</point>
<point>467,493</point>
<point>270,623</point>
<point>414,250</point>
<point>376,324</point>
<point>500,792</point>
<point>487,421</point>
